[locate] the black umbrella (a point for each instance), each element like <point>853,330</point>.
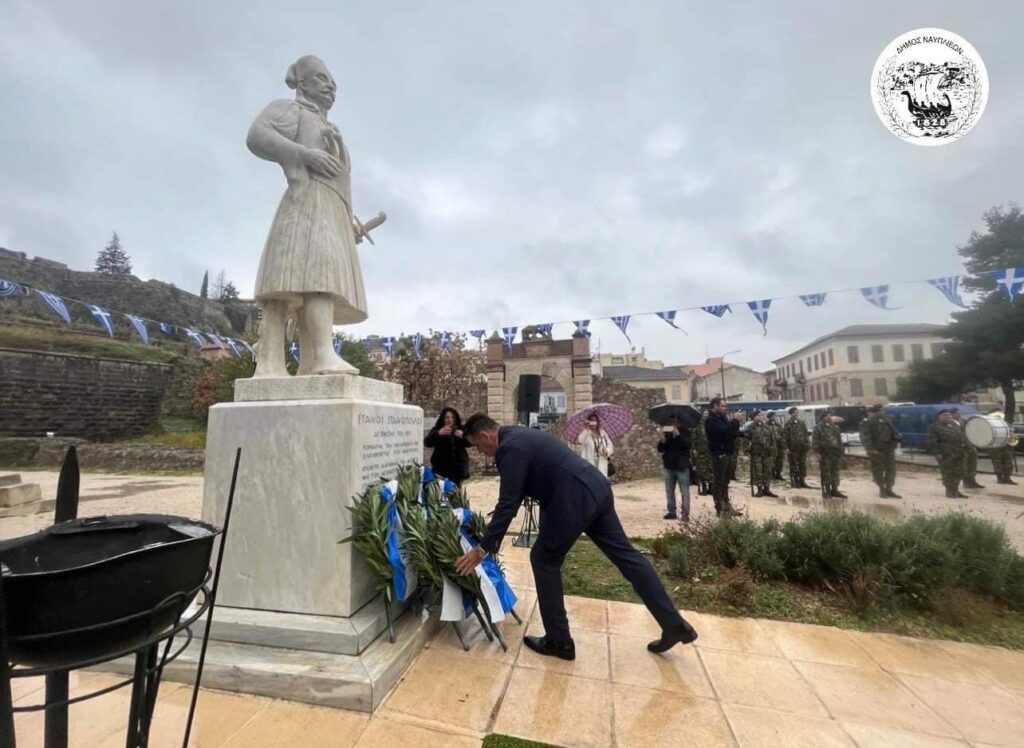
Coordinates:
<point>662,414</point>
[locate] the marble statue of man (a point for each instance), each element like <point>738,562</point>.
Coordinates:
<point>309,270</point>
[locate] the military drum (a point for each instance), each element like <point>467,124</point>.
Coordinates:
<point>987,432</point>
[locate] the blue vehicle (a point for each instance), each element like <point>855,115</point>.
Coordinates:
<point>912,421</point>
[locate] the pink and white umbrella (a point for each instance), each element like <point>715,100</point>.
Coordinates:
<point>615,420</point>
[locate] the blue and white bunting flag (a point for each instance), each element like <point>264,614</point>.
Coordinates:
<point>478,334</point>
<point>582,327</point>
<point>760,310</point>
<point>718,310</point>
<point>233,346</point>
<point>10,288</point>
<point>403,574</point>
<point>445,338</point>
<point>166,329</point>
<point>249,348</point>
<point>950,288</point>
<point>215,339</point>
<point>495,590</point>
<point>813,299</point>
<point>336,343</point>
<point>622,323</point>
<point>195,337</point>
<point>877,295</point>
<point>56,303</point>
<point>509,333</point>
<point>670,318</point>
<point>103,318</point>
<point>1010,280</point>
<point>544,328</point>
<point>139,325</point>
<point>417,344</point>
<point>389,345</point>
<point>293,350</point>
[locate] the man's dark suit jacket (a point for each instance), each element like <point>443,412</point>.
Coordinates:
<point>567,488</point>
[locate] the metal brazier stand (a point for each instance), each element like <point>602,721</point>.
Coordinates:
<point>88,591</point>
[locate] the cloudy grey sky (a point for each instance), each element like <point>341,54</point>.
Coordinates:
<point>538,161</point>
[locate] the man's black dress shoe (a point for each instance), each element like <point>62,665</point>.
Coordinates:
<point>669,639</point>
<point>543,646</point>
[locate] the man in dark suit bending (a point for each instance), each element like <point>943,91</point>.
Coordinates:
<point>574,498</point>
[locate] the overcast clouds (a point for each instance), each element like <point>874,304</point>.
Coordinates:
<point>538,161</point>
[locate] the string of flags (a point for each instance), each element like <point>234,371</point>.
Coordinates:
<point>1009,281</point>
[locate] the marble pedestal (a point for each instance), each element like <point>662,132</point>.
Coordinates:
<point>295,616</point>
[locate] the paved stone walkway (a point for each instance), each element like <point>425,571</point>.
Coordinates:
<point>746,682</point>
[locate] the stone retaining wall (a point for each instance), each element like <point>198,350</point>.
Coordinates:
<point>122,457</point>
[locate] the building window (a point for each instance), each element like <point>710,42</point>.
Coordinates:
<point>856,388</point>
<point>814,360</point>
<point>677,392</point>
<point>897,352</point>
<point>810,365</point>
<point>817,392</point>
<point>617,360</point>
<point>831,360</point>
<point>876,354</point>
<point>938,349</point>
<point>881,387</point>
<point>801,366</point>
<point>916,352</point>
<point>853,354</point>
<point>835,389</point>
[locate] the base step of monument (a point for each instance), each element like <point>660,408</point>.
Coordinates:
<point>356,682</point>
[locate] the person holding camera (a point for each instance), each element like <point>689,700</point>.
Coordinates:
<point>722,433</point>
<point>450,458</point>
<point>595,445</point>
<point>674,448</point>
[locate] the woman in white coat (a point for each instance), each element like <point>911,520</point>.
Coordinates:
<point>595,445</point>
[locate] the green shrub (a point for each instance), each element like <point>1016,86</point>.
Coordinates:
<point>825,548</point>
<point>754,544</point>
<point>679,561</point>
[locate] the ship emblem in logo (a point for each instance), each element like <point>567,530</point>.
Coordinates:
<point>929,87</point>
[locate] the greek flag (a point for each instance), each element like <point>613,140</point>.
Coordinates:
<point>293,349</point>
<point>234,347</point>
<point>622,323</point>
<point>196,337</point>
<point>718,310</point>
<point>389,345</point>
<point>417,342</point>
<point>950,288</point>
<point>102,316</point>
<point>496,592</point>
<point>478,334</point>
<point>510,335</point>
<point>813,299</point>
<point>760,310</point>
<point>56,303</point>
<point>337,345</point>
<point>445,339</point>
<point>166,329</point>
<point>582,326</point>
<point>877,295</point>
<point>9,288</point>
<point>249,348</point>
<point>216,341</point>
<point>403,574</point>
<point>140,327</point>
<point>545,328</point>
<point>1010,280</point>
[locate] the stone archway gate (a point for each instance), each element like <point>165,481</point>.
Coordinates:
<point>566,362</point>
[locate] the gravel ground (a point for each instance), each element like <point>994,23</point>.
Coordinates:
<point>640,503</point>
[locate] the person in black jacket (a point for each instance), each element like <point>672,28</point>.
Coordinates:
<point>722,434</point>
<point>449,459</point>
<point>574,498</point>
<point>675,459</point>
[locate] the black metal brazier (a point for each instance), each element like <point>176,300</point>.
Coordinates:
<point>95,586</point>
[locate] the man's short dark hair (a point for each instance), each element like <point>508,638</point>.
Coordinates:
<point>477,423</point>
<point>794,409</point>
<point>715,401</point>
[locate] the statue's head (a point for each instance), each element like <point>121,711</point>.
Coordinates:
<point>311,78</point>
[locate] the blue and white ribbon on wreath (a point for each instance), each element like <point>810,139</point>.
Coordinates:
<point>497,593</point>
<point>403,575</point>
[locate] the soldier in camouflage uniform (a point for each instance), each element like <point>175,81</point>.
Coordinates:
<point>946,441</point>
<point>828,443</point>
<point>700,455</point>
<point>797,441</point>
<point>780,446</point>
<point>969,456</point>
<point>762,455</point>
<point>1002,457</point>
<point>880,439</point>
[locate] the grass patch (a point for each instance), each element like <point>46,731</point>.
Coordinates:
<point>495,740</point>
<point>948,577</point>
<point>37,337</point>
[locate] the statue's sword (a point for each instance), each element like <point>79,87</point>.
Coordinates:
<point>366,228</point>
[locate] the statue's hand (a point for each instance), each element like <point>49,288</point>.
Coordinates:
<point>321,162</point>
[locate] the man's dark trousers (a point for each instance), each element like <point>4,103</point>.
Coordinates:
<point>561,524</point>
<point>720,484</point>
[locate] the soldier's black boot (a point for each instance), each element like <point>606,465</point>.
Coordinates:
<point>892,494</point>
<point>958,494</point>
<point>972,484</point>
<point>838,495</point>
<point>760,492</point>
<point>883,492</point>
<point>1010,482</point>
